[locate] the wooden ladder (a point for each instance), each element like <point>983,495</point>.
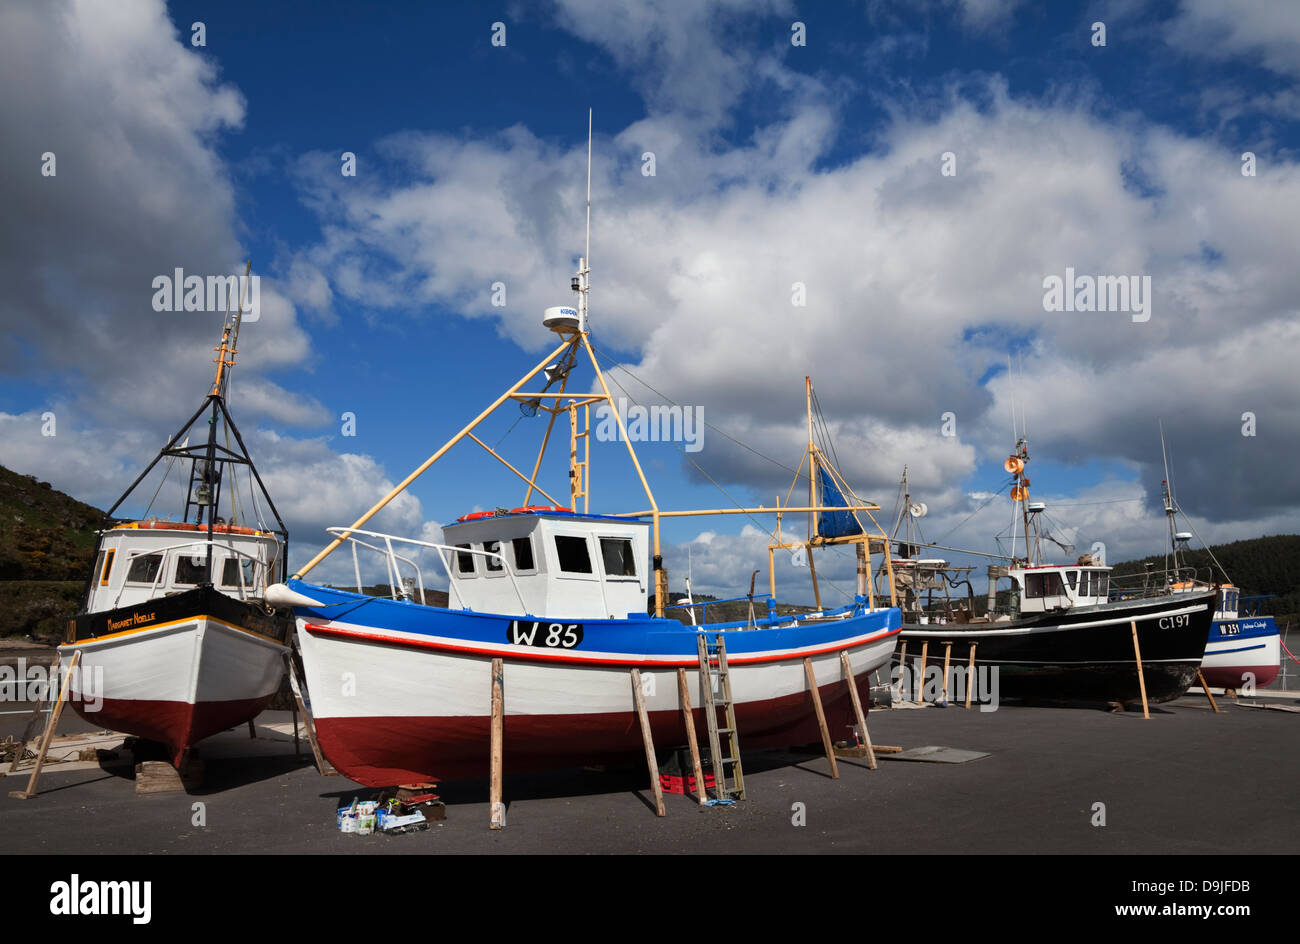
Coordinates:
<point>712,655</point>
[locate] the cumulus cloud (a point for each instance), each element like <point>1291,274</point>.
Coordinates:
<point>1265,31</point>
<point>131,116</point>
<point>915,284</point>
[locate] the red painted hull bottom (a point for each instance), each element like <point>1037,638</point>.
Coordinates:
<point>1232,676</point>
<point>381,752</point>
<point>177,724</point>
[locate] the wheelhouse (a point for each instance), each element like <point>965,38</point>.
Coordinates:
<point>1060,586</point>
<point>143,560</point>
<point>552,563</point>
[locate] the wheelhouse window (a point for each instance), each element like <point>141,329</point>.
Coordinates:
<point>573,554</point>
<point>523,548</point>
<point>232,569</point>
<point>1043,585</point>
<point>464,561</point>
<point>1101,583</point>
<point>104,566</point>
<point>1073,577</point>
<point>144,569</point>
<point>494,564</point>
<point>191,570</point>
<point>616,554</point>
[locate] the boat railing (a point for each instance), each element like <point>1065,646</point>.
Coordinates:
<point>163,552</point>
<point>702,604</point>
<point>392,558</point>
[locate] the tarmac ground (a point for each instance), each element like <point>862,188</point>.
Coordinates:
<point>1055,780</point>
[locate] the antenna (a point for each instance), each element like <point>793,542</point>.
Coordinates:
<point>1020,369</point>
<point>585,265</point>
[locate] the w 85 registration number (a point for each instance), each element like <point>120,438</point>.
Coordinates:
<point>545,635</point>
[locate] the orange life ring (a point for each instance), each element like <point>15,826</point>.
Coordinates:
<point>534,509</point>
<point>475,515</point>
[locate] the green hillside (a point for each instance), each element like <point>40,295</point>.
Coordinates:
<point>1267,565</point>
<point>44,534</point>
<point>46,541</point>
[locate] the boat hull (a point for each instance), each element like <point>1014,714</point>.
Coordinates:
<point>402,693</point>
<point>1084,654</point>
<point>176,669</point>
<point>1242,651</point>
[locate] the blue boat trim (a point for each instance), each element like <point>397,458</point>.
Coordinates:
<point>1224,652</point>
<point>637,635</point>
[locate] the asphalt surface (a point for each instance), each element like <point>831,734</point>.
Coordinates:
<point>1185,781</point>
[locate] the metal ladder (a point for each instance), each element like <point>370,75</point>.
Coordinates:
<point>712,654</point>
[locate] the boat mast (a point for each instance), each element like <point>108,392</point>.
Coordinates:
<point>1171,512</point>
<point>812,490</point>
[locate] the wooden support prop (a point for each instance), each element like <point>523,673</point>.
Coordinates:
<point>821,717</point>
<point>857,709</point>
<point>30,727</point>
<point>1206,689</point>
<point>308,722</point>
<point>297,744</point>
<point>48,736</point>
<point>970,675</point>
<point>648,740</point>
<point>902,670</point>
<point>498,816</point>
<point>688,716</point>
<point>1142,682</point>
<point>920,678</point>
<point>947,654</point>
<point>252,729</point>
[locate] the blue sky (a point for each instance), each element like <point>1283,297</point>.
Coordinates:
<point>775,164</point>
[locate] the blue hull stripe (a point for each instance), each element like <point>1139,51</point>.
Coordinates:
<point>637,635</point>
<point>1224,652</point>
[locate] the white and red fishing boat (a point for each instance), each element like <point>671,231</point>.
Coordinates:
<point>571,602</point>
<point>174,637</point>
<point>1244,650</point>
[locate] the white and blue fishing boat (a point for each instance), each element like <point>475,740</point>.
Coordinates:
<point>570,601</point>
<point>1244,650</point>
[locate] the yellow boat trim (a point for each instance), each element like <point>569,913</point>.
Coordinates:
<point>153,626</point>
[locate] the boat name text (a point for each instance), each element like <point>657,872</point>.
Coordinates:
<point>135,619</point>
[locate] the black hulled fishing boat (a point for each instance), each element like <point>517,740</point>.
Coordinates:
<point>1053,632</point>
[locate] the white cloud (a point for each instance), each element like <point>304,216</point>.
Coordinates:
<point>132,116</point>
<point>914,281</point>
<point>1263,31</point>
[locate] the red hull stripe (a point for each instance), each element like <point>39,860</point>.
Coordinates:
<point>317,630</point>
<point>178,724</point>
<point>1234,676</point>
<point>383,751</point>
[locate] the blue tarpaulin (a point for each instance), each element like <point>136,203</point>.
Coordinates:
<point>834,524</point>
